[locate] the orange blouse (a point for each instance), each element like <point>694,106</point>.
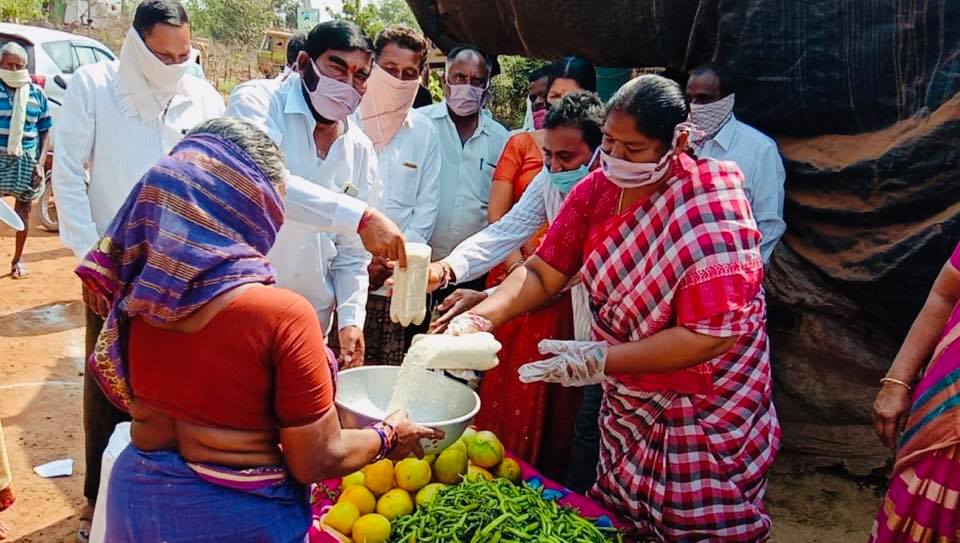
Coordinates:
<point>520,162</point>
<point>258,364</point>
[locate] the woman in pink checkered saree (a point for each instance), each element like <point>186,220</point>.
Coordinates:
<point>669,251</point>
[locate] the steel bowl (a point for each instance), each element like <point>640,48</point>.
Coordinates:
<point>442,403</point>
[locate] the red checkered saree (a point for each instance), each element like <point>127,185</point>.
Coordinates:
<point>683,455</point>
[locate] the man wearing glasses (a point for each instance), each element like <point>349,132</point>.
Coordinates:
<point>470,146</point>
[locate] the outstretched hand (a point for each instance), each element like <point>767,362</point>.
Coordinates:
<point>457,303</point>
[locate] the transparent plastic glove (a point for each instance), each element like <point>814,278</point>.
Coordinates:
<point>468,323</point>
<point>574,364</point>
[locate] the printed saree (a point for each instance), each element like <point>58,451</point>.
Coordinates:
<point>922,504</point>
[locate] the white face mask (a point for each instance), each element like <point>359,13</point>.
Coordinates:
<point>465,100</point>
<point>147,84</point>
<point>630,175</point>
<point>711,117</point>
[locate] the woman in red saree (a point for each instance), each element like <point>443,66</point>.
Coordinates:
<point>669,251</point>
<point>921,503</point>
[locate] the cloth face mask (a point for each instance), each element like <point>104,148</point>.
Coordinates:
<point>331,99</point>
<point>629,175</point>
<point>465,100</point>
<point>19,80</point>
<point>147,84</point>
<point>711,117</point>
<point>539,117</point>
<point>385,105</point>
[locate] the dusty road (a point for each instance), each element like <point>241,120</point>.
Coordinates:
<point>41,351</point>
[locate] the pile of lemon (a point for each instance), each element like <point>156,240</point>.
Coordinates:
<point>383,491</point>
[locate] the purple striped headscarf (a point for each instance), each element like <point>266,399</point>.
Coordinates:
<point>197,225</point>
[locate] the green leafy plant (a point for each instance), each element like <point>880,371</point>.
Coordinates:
<point>21,10</point>
<point>510,89</point>
<point>231,21</point>
<point>372,17</point>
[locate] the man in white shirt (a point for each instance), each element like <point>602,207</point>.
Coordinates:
<point>470,145</point>
<point>120,118</point>
<point>307,115</point>
<point>408,157</point>
<point>726,138</point>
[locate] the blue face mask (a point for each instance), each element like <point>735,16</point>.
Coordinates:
<point>564,181</point>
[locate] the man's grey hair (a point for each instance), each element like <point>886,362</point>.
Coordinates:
<point>14,49</point>
<point>252,140</point>
<point>471,50</point>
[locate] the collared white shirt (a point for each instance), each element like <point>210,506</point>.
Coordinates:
<point>92,128</point>
<point>466,173</point>
<point>478,254</point>
<point>759,160</point>
<point>329,270</point>
<point>408,171</point>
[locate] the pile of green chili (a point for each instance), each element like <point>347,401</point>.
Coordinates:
<point>481,511</point>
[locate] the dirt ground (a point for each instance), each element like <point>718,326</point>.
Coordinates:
<point>41,351</point>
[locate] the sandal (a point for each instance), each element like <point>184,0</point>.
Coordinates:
<point>19,271</point>
<point>86,524</point>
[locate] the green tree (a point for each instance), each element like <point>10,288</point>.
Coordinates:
<point>231,21</point>
<point>372,17</point>
<point>286,13</point>
<point>20,10</point>
<point>510,89</point>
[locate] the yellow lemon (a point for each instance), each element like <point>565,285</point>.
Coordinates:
<point>361,497</point>
<point>396,503</point>
<point>372,528</point>
<point>411,474</point>
<point>354,479</point>
<point>428,493</point>
<point>486,450</point>
<point>342,516</point>
<point>509,469</point>
<point>378,477</point>
<point>474,472</point>
<point>450,465</point>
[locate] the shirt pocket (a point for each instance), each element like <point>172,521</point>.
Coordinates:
<point>403,185</point>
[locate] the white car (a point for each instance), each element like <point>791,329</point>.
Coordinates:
<point>53,56</point>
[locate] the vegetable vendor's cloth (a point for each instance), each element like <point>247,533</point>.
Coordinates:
<point>324,495</point>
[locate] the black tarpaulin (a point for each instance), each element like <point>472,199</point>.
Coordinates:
<point>862,97</point>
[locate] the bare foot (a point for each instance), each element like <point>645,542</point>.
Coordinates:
<point>4,530</point>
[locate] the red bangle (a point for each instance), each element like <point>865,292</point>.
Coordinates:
<point>364,219</point>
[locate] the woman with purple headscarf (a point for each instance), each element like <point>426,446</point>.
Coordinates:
<point>227,379</point>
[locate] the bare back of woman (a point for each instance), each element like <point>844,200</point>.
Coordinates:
<point>153,430</point>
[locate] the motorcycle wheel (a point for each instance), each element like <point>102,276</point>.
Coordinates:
<point>48,209</point>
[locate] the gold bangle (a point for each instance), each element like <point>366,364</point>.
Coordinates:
<point>896,382</point>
